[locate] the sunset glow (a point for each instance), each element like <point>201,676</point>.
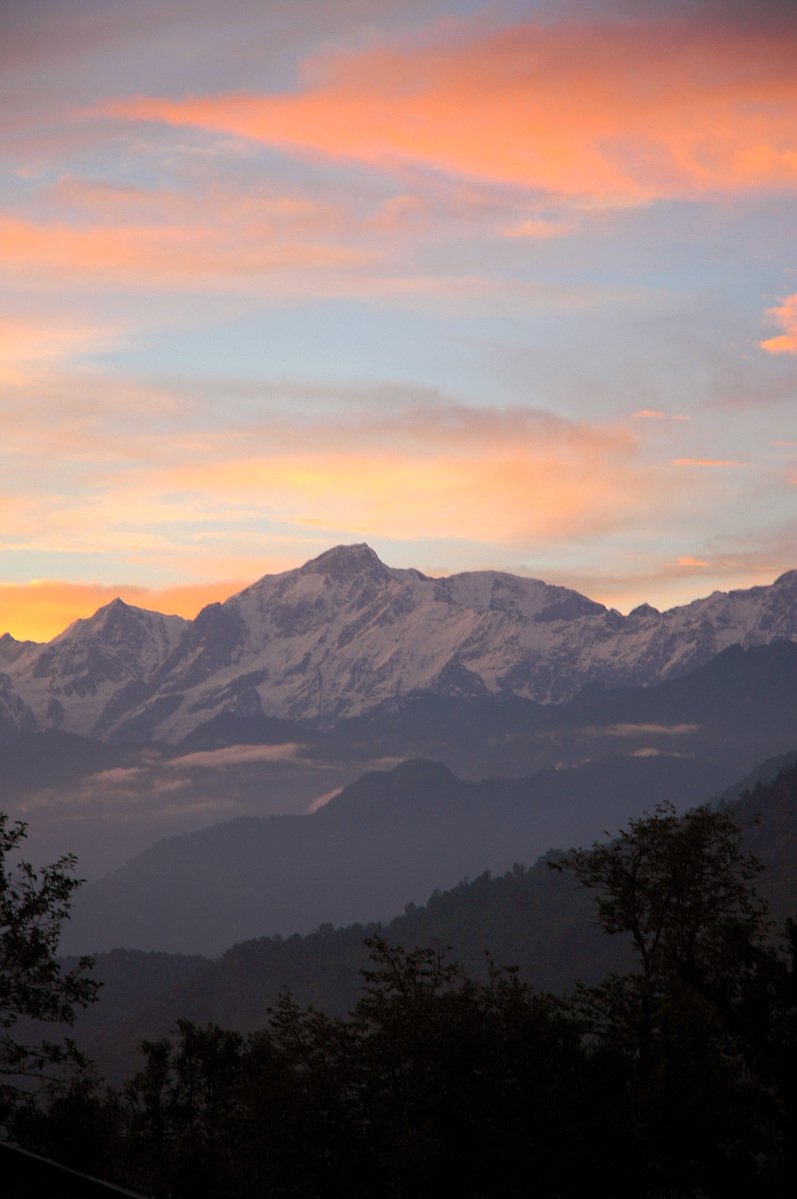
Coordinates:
<point>485,285</point>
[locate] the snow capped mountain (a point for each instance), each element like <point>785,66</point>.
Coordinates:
<point>73,680</point>
<point>345,634</point>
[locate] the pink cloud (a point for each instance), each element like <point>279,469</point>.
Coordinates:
<point>539,229</point>
<point>615,112</point>
<point>657,414</point>
<point>785,315</point>
<point>195,254</point>
<point>29,343</point>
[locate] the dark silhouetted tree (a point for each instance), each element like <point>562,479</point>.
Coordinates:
<point>34,987</point>
<point>692,1022</point>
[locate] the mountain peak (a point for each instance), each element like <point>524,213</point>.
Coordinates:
<point>11,649</point>
<point>346,561</point>
<point>115,605</point>
<point>115,609</point>
<point>644,610</point>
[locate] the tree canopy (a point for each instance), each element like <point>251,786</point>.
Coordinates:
<point>34,988</point>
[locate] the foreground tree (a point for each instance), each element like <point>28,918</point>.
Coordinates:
<point>684,889</point>
<point>701,1021</point>
<point>34,988</point>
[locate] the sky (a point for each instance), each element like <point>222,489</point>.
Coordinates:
<point>489,285</point>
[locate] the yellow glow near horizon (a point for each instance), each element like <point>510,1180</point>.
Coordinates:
<point>43,608</point>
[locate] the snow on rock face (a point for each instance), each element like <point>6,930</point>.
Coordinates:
<point>15,716</point>
<point>345,633</point>
<point>492,591</point>
<point>68,682</point>
<point>11,649</point>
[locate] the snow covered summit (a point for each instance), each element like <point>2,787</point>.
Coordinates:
<point>345,634</point>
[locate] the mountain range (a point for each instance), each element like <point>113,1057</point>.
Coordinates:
<point>335,742</point>
<point>345,635</point>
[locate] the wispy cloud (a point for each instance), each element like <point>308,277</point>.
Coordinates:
<point>413,473</point>
<point>322,800</point>
<point>29,344</point>
<point>235,755</point>
<point>539,229</point>
<point>612,112</point>
<point>657,414</point>
<point>711,463</point>
<point>177,253</point>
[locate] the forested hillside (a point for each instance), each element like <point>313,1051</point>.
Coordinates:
<point>673,1073</point>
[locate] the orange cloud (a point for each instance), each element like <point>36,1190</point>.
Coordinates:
<point>410,472</point>
<point>786,316</point>
<point>709,462</point>
<point>505,477</point>
<point>260,210</point>
<point>232,254</point>
<point>167,253</point>
<point>216,503</point>
<point>615,113</point>
<point>423,473</point>
<point>29,344</point>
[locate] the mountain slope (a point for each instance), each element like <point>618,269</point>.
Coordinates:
<point>383,841</point>
<point>536,919</point>
<point>738,709</point>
